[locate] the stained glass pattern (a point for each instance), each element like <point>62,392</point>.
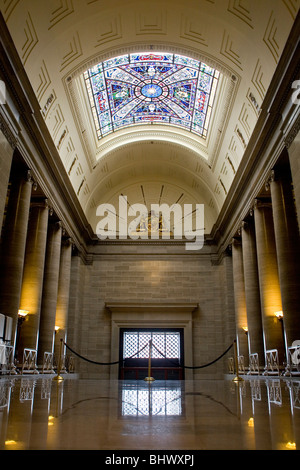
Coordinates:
<point>151,88</point>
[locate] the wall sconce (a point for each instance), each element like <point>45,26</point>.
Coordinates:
<point>23,313</point>
<point>56,328</point>
<point>21,316</point>
<point>279,314</point>
<point>291,446</point>
<point>245,328</point>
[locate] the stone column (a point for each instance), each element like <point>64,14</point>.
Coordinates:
<point>252,294</point>
<point>50,289</point>
<point>76,301</point>
<point>6,153</point>
<point>288,253</point>
<point>239,298</point>
<point>270,296</point>
<point>13,246</point>
<point>61,319</point>
<point>33,273</point>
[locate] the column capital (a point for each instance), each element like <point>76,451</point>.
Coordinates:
<point>244,225</point>
<point>30,179</point>
<point>43,203</point>
<point>59,225</point>
<point>68,241</point>
<point>270,179</point>
<point>260,203</point>
<point>28,176</point>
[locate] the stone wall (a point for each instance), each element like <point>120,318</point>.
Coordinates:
<point>151,275</point>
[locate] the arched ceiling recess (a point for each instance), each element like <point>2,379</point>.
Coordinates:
<point>58,40</point>
<point>158,164</point>
<point>169,74</point>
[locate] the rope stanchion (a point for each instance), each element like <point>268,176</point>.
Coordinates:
<point>58,377</point>
<point>237,378</point>
<point>149,378</point>
<point>151,345</point>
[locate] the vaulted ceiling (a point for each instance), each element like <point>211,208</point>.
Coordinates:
<point>58,40</point>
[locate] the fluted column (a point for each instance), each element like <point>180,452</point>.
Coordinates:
<point>32,283</point>
<point>288,253</point>
<point>61,319</point>
<point>239,298</point>
<point>255,331</point>
<point>50,289</point>
<point>13,246</point>
<point>268,277</point>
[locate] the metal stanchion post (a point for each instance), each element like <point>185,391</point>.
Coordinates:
<point>149,378</point>
<point>237,378</point>
<point>58,376</point>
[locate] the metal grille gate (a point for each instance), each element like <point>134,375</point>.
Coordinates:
<point>166,357</point>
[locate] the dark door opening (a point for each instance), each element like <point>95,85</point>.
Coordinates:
<point>166,356</point>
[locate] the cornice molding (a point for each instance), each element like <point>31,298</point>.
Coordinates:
<point>8,134</point>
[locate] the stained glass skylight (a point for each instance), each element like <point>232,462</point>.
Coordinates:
<point>146,88</point>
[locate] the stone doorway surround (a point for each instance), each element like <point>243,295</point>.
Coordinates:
<point>152,315</point>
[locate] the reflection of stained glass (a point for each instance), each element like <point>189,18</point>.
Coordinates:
<point>151,88</point>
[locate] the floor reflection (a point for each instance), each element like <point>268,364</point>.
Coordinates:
<point>39,413</point>
<point>153,399</point>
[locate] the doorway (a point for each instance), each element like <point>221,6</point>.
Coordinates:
<point>166,353</point>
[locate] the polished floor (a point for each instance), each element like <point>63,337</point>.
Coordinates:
<point>39,413</point>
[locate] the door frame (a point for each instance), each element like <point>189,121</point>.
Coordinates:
<point>166,364</point>
<point>151,315</point>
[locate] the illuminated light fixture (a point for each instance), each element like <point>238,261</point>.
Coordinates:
<point>56,328</point>
<point>245,328</point>
<point>279,314</point>
<point>251,422</point>
<point>50,420</point>
<point>10,442</point>
<point>23,313</point>
<point>291,445</point>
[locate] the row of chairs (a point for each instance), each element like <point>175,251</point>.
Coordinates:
<point>272,366</point>
<point>29,362</point>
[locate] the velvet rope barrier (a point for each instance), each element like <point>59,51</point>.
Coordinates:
<point>117,362</point>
